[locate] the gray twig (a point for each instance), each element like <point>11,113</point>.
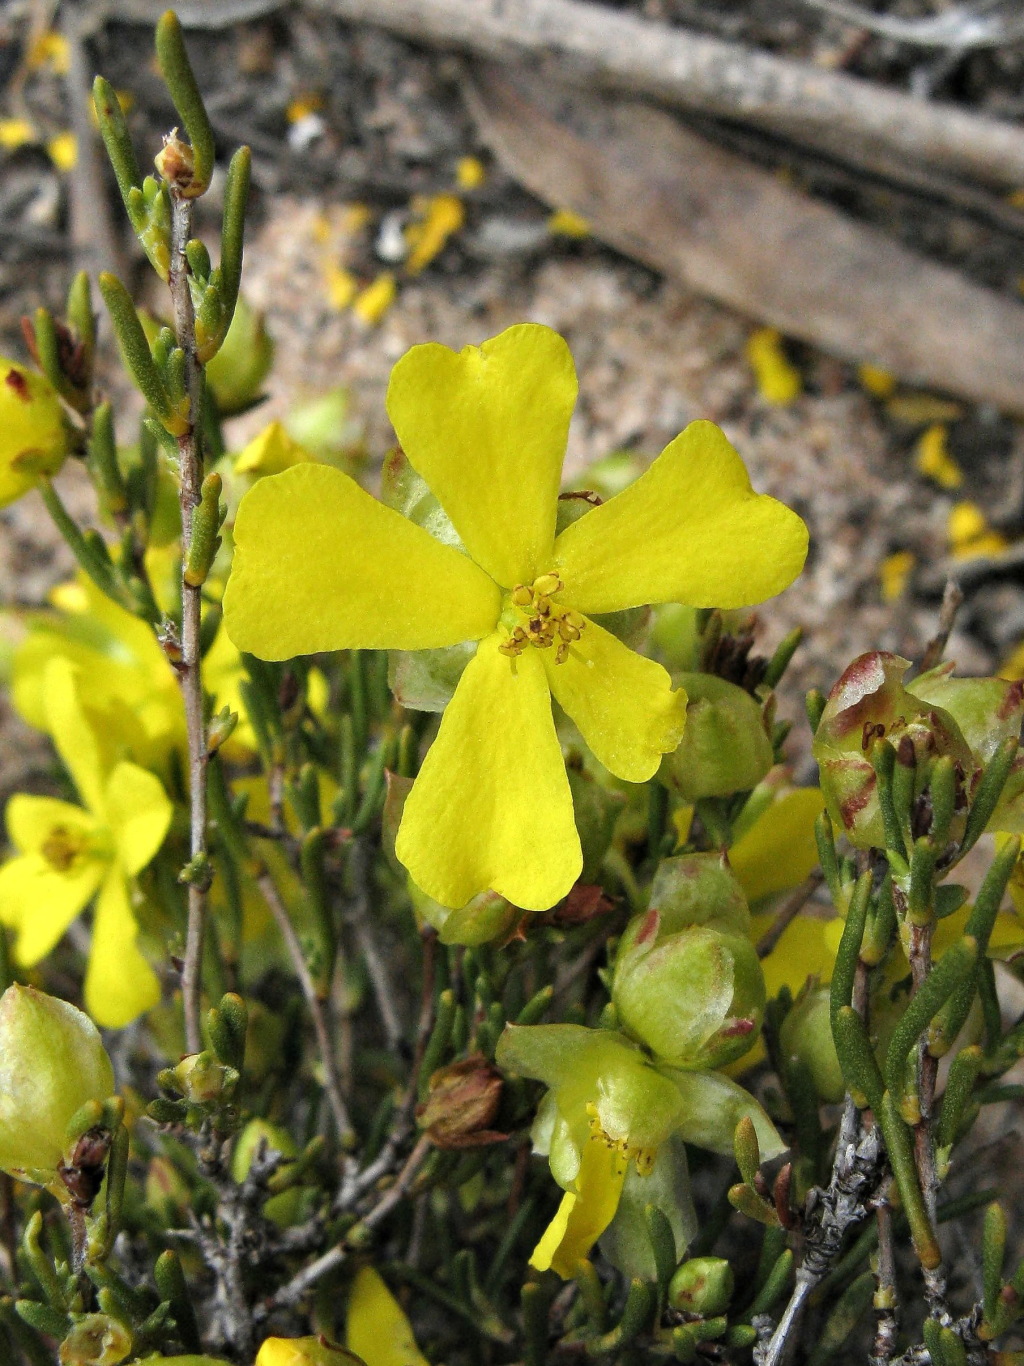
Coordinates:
<point>317,1010</point>
<point>381,982</point>
<point>952,600</point>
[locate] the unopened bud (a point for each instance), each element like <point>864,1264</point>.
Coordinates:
<point>703,1285</point>
<point>201,1079</point>
<point>176,164</point>
<point>461,1104</point>
<point>695,998</point>
<point>236,373</point>
<point>52,1062</point>
<point>33,433</point>
<point>725,747</point>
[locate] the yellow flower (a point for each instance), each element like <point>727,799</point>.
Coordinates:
<point>438,217</point>
<point>778,379</point>
<point>934,459</point>
<point>376,1328</point>
<point>970,534</point>
<point>320,565</point>
<point>33,435</point>
<point>304,1352</point>
<point>566,223</point>
<point>69,854</point>
<point>270,452</point>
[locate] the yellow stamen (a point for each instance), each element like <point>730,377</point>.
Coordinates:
<point>62,848</point>
<point>547,623</point>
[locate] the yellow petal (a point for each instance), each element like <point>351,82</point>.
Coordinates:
<point>622,702</point>
<point>40,902</point>
<point>486,428</point>
<point>491,808</point>
<point>376,1328</point>
<point>76,741</point>
<point>320,565</point>
<point>584,1214</point>
<point>140,813</point>
<point>31,822</point>
<point>119,982</point>
<point>270,451</point>
<point>779,850</point>
<point>691,530</point>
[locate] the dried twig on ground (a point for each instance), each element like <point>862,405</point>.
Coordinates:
<point>660,193</point>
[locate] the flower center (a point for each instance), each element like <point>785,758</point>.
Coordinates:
<point>627,1151</point>
<point>62,848</point>
<point>540,621</point>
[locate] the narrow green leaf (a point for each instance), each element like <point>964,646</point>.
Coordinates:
<point>176,70</point>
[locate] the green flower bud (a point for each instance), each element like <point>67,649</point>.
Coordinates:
<point>806,1036</point>
<point>283,1209</point>
<point>488,916</point>
<point>703,1285</point>
<point>695,998</point>
<point>699,889</point>
<point>96,1340</point>
<point>461,1104</point>
<point>725,747</point>
<point>236,373</point>
<point>52,1062</point>
<point>202,1080</point>
<point>33,432</point>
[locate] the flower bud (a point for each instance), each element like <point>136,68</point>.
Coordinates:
<point>695,998</point>
<point>870,703</point>
<point>699,889</point>
<point>462,1101</point>
<point>281,1209</point>
<point>236,373</point>
<point>52,1062</point>
<point>202,1080</point>
<point>96,1340</point>
<point>305,1352</point>
<point>725,747</point>
<point>806,1036</point>
<point>486,917</point>
<point>33,433</point>
<point>703,1285</point>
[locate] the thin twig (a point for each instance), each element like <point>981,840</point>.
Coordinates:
<point>333,1258</point>
<point>788,912</point>
<point>952,600</point>
<point>885,1276</point>
<point>190,459</point>
<point>380,979</point>
<point>332,1082</point>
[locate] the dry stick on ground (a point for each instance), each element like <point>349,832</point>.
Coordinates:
<point>190,459</point>
<point>705,217</point>
<point>620,51</point>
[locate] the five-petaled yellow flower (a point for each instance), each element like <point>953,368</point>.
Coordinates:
<point>321,565</point>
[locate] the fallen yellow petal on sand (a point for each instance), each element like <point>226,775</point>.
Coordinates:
<point>15,133</point>
<point>302,106</point>
<point>932,458</point>
<point>778,380</point>
<point>894,572</point>
<point>63,151</point>
<point>470,173</point>
<point>50,50</point>
<point>970,534</point>
<point>342,286</point>
<point>373,302</point>
<point>438,217</point>
<point>879,383</point>
<point>566,223</point>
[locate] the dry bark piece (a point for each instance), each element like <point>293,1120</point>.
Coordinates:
<point>705,217</point>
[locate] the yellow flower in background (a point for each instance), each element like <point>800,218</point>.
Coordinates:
<point>270,451</point>
<point>894,574</point>
<point>566,223</point>
<point>435,220</point>
<point>376,1327</point>
<point>877,382</point>
<point>63,151</point>
<point>321,565</point>
<point>371,303</point>
<point>67,855</point>
<point>33,433</point>
<point>778,850</point>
